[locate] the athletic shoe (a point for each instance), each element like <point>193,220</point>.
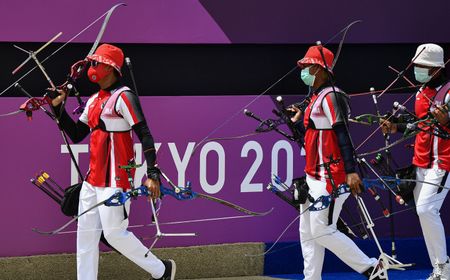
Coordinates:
<point>441,271</point>
<point>171,269</point>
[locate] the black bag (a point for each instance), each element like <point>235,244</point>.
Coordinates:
<point>300,191</point>
<point>69,203</point>
<point>405,189</point>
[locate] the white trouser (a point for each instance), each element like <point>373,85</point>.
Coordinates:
<point>429,199</point>
<point>114,225</point>
<point>318,231</point>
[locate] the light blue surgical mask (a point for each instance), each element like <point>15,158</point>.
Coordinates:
<point>306,77</point>
<point>422,74</point>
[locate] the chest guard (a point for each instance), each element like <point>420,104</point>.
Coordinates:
<point>110,118</point>
<point>316,116</point>
<point>442,95</point>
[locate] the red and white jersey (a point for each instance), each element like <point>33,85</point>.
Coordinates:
<point>110,115</point>
<point>321,142</point>
<point>430,150</point>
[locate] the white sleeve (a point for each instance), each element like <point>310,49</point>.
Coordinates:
<point>84,116</point>
<point>129,107</point>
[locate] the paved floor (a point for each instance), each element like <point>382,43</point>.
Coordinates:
<point>393,275</point>
<point>242,278</point>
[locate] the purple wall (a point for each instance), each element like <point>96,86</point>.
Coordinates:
<point>154,21</point>
<point>231,21</point>
<point>176,122</point>
<point>30,146</point>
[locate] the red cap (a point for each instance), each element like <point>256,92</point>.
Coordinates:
<point>313,56</point>
<point>110,55</point>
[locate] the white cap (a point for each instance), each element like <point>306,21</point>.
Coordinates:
<point>432,55</point>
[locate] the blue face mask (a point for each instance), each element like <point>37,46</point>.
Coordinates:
<point>306,77</point>
<point>422,74</point>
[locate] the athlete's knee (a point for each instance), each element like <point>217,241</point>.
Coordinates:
<point>321,230</point>
<point>304,229</point>
<point>424,211</point>
<point>114,236</point>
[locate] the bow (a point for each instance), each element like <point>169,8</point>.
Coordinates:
<point>37,103</point>
<point>179,193</point>
<point>186,193</point>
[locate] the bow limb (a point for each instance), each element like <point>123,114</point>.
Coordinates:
<point>232,205</point>
<point>74,219</point>
<point>193,221</point>
<point>341,43</point>
<point>102,30</point>
<point>186,193</point>
<point>401,140</point>
<point>11,113</point>
<point>366,119</point>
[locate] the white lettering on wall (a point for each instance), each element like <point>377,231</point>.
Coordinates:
<point>218,149</point>
<point>181,164</point>
<point>183,158</point>
<point>77,149</point>
<point>247,185</point>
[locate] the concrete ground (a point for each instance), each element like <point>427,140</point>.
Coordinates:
<point>242,278</point>
<point>196,262</point>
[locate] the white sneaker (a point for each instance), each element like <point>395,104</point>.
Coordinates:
<point>441,271</point>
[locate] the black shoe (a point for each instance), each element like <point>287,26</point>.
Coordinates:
<point>171,269</point>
